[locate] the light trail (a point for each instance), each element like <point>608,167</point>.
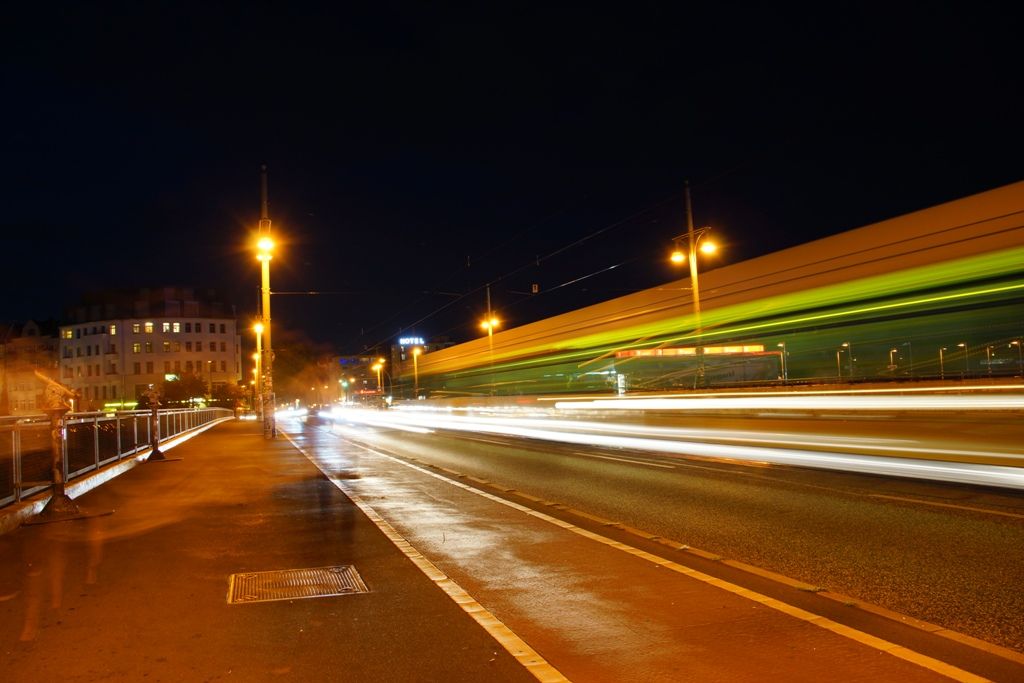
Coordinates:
<point>892,457</point>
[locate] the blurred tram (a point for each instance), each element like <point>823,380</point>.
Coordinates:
<point>935,294</point>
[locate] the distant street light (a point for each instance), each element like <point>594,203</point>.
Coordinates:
<point>258,357</point>
<point>963,345</point>
<point>1020,355</point>
<point>416,351</point>
<point>942,364</point>
<point>892,363</point>
<point>849,352</point>
<point>785,369</point>
<point>678,256</point>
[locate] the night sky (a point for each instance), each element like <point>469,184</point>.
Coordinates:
<point>418,152</point>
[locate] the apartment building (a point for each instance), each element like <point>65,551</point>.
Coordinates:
<point>111,358</point>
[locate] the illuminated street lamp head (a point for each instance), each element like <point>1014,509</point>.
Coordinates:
<point>708,247</point>
<point>376,366</point>
<point>490,324</point>
<point>258,328</point>
<point>381,361</point>
<point>416,351</point>
<point>678,256</point>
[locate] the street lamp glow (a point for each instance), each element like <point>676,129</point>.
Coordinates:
<point>490,324</point>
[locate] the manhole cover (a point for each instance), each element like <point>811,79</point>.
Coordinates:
<point>293,584</point>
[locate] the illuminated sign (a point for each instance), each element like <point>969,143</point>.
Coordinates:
<point>410,341</point>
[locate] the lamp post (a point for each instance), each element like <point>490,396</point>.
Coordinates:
<point>694,237</point>
<point>849,353</point>
<point>1020,355</point>
<point>892,363</point>
<point>258,357</point>
<point>416,351</point>
<point>942,364</point>
<point>839,368</point>
<point>265,245</point>
<point>988,359</point>
<point>378,367</point>
<point>785,369</point>
<point>963,345</point>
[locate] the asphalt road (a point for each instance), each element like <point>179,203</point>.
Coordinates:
<point>948,554</point>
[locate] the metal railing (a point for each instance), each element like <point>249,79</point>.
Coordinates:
<point>92,440</point>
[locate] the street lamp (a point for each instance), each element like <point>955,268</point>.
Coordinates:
<point>963,345</point>
<point>849,353</point>
<point>378,367</point>
<point>258,357</point>
<point>489,324</point>
<point>785,370</point>
<point>942,365</point>
<point>264,247</point>
<point>1020,355</point>
<point>694,237</point>
<point>988,359</point>
<point>892,364</point>
<point>416,351</point>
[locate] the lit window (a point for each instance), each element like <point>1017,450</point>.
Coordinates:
<point>177,346</point>
<point>113,330</point>
<point>149,328</point>
<point>68,334</point>
<point>135,329</point>
<point>167,347</point>
<point>136,348</point>
<point>176,327</point>
<point>149,347</point>
<point>166,327</point>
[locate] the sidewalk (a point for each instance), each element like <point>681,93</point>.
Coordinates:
<point>141,594</point>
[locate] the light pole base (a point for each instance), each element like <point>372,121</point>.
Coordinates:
<point>157,455</point>
<point>61,508</point>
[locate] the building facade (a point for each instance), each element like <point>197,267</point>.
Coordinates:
<point>171,333</point>
<point>26,349</point>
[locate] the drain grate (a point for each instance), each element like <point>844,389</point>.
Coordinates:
<point>293,584</point>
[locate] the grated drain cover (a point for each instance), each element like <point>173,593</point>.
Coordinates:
<point>293,584</point>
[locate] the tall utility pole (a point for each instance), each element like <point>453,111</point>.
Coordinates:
<point>694,286</point>
<point>266,244</point>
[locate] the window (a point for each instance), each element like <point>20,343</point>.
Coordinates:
<point>97,369</point>
<point>149,328</point>
<point>188,327</point>
<point>188,366</point>
<point>136,347</point>
<point>88,371</point>
<point>68,373</point>
<point>166,327</point>
<point>78,334</point>
<point>223,366</point>
<point>149,367</point>
<point>223,329</point>
<point>135,328</point>
<point>113,330</point>
<point>223,346</point>
<point>104,391</point>
<point>78,352</point>
<point>177,366</point>
<point>138,368</point>
<point>199,346</point>
<point>167,366</point>
<point>188,346</point>
<point>167,347</point>
<point>112,369</point>
<point>97,348</point>
<point>213,328</point>
<point>78,371</point>
<point>88,350</point>
<point>67,334</point>
<point>149,347</point>
<point>176,327</point>
<point>177,347</point>
<point>112,349</point>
